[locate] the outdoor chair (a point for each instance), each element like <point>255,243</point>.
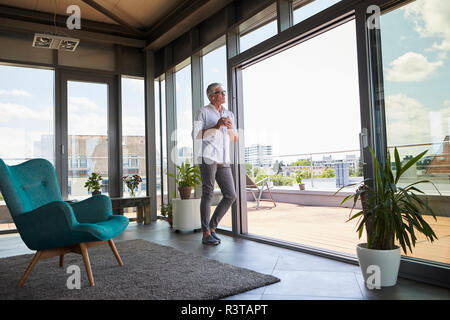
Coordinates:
<point>259,188</point>
<point>50,225</point>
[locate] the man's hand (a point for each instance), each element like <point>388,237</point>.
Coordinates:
<point>224,121</point>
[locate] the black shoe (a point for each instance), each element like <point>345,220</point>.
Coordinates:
<point>210,240</point>
<point>215,236</point>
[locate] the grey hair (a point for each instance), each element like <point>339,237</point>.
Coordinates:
<point>211,87</point>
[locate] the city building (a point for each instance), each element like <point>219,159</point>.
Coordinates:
<point>259,155</point>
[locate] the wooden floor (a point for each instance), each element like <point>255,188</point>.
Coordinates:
<point>325,227</point>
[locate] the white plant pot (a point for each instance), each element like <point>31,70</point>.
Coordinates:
<point>386,262</point>
<point>186,214</point>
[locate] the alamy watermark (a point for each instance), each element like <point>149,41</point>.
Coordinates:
<point>373,281</point>
<point>74,280</point>
<point>373,21</point>
<point>74,20</point>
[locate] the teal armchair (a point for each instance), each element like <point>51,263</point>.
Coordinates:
<point>50,225</point>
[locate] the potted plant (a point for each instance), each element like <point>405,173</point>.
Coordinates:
<point>132,182</point>
<point>166,211</point>
<point>299,179</point>
<point>187,177</point>
<point>93,183</point>
<point>390,216</point>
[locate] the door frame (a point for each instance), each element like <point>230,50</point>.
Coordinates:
<point>62,78</point>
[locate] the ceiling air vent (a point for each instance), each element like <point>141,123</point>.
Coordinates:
<point>49,41</point>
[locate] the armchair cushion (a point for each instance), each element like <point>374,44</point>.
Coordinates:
<point>103,230</point>
<point>94,209</point>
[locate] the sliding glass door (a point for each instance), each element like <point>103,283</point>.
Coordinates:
<point>301,112</point>
<point>88,141</point>
<point>415,42</point>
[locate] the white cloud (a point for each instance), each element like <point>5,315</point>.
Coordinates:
<point>410,122</point>
<point>11,112</point>
<point>15,93</point>
<point>81,104</point>
<point>136,84</point>
<point>431,19</point>
<point>411,67</point>
<point>133,126</point>
<point>86,117</point>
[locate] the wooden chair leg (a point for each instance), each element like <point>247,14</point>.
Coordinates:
<point>30,267</point>
<point>116,253</point>
<point>87,263</point>
<point>61,260</point>
<point>270,192</point>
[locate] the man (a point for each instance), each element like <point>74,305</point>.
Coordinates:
<point>214,128</point>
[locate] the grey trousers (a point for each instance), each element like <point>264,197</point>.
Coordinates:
<point>222,174</point>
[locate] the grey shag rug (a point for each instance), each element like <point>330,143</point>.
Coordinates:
<point>150,271</point>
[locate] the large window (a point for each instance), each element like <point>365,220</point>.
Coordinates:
<point>302,118</point>
<point>26,114</point>
<point>303,9</point>
<point>26,119</point>
<point>260,27</point>
<point>215,69</point>
<point>164,184</point>
<point>161,151</point>
<point>133,132</point>
<point>415,41</point>
<point>87,113</point>
<point>184,115</point>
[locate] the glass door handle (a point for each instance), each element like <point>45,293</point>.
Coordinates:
<point>363,143</point>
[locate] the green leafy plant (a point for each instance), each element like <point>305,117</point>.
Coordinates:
<point>93,183</point>
<point>187,175</point>
<point>166,211</point>
<point>298,176</point>
<point>391,213</point>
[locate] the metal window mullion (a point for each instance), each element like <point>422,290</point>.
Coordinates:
<point>114,135</point>
<point>284,15</point>
<point>239,207</point>
<point>150,134</point>
<point>171,125</point>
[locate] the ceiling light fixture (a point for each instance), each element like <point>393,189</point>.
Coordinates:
<point>49,41</point>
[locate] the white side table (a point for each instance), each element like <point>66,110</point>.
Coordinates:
<point>186,214</point>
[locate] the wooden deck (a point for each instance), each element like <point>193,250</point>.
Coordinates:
<point>325,227</point>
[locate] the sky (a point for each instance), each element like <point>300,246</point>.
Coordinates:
<point>305,99</point>
<point>416,45</point>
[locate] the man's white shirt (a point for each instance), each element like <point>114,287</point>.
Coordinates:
<point>215,147</point>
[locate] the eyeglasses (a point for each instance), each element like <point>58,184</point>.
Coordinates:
<point>222,92</point>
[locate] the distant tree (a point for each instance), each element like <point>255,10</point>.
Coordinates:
<point>261,174</point>
<point>280,180</point>
<point>328,173</point>
<point>305,173</point>
<point>301,163</point>
<point>248,168</point>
